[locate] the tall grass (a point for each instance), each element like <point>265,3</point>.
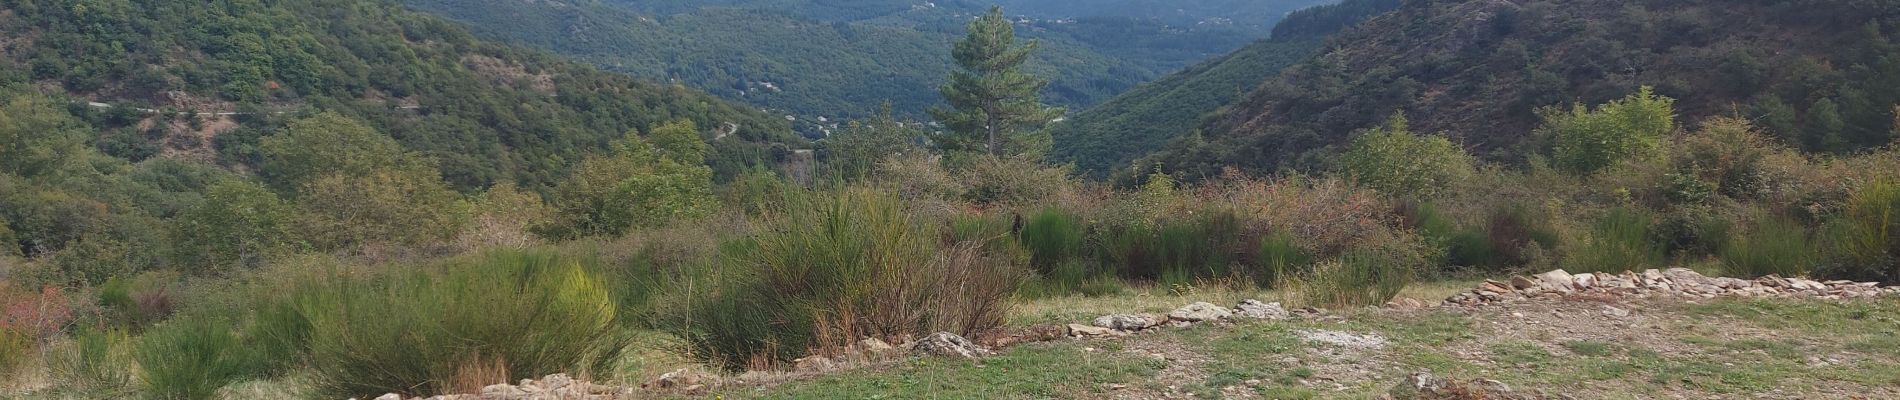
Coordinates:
<point>1867,235</point>
<point>1775,246</point>
<point>843,266</point>
<point>93,364</point>
<point>192,357</point>
<point>1357,278</point>
<point>500,317</point>
<point>1279,257</point>
<point>1621,241</point>
<point>1053,237</point>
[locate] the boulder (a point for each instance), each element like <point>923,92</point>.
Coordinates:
<point>1200,312</point>
<point>1558,280</point>
<point>1521,283</point>
<point>946,344</point>
<point>1128,322</point>
<point>1251,308</point>
<point>1585,280</point>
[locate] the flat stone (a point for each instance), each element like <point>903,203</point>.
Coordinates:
<point>1128,322</point>
<point>1522,283</point>
<point>1079,330</point>
<point>1200,312</point>
<point>1251,308</point>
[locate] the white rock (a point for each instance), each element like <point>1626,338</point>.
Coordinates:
<point>1199,312</point>
<point>1558,280</point>
<point>1251,308</point>
<point>389,396</point>
<point>1128,322</point>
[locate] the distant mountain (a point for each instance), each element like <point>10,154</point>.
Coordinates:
<point>486,112</point>
<point>841,59</point>
<point>1106,137</point>
<point>1817,73</point>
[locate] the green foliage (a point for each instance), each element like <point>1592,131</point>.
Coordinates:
<point>1280,257</point>
<point>1622,240</point>
<point>329,144</point>
<point>1054,238</point>
<point>1773,246</point>
<point>526,314</point>
<point>993,102</point>
<point>1397,162</point>
<point>1866,236</point>
<point>1584,141</point>
<point>840,267</point>
<point>94,364</point>
<point>16,348</point>
<point>239,223</point>
<point>1728,153</point>
<point>645,182</point>
<point>1012,181</point>
<point>1357,278</point>
<point>36,137</point>
<point>191,357</point>
<point>408,208</point>
<point>857,149</point>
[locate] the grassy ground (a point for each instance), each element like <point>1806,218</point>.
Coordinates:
<point>1730,348</point>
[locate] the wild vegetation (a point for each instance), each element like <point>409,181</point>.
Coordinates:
<point>341,259</point>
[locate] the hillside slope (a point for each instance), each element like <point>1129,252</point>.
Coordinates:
<point>842,59</point>
<point>1142,119</point>
<point>1809,71</point>
<point>485,112</point>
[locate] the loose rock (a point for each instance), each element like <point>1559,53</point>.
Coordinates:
<point>1128,322</point>
<point>1251,308</point>
<point>1200,312</point>
<point>946,344</point>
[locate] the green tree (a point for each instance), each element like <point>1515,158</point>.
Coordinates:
<point>644,182</point>
<point>991,98</point>
<point>325,144</point>
<point>854,151</point>
<point>1824,126</point>
<point>1393,160</point>
<point>36,136</point>
<point>239,223</point>
<point>390,206</point>
<point>1585,141</point>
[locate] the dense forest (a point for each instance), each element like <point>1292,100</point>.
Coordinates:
<point>1480,70</point>
<point>840,60</point>
<point>484,112</point>
<point>1142,119</point>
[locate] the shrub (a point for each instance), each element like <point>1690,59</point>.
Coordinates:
<point>1053,237</point>
<point>499,317</point>
<point>1012,181</point>
<point>94,363</point>
<point>841,266</point>
<point>1867,234</point>
<point>1279,257</point>
<point>1357,278</point>
<point>15,348</point>
<point>191,357</point>
<point>1130,249</point>
<point>1620,241</point>
<point>1584,141</point>
<point>1775,246</point>
<point>1393,160</point>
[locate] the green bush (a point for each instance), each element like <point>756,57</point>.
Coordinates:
<point>1130,250</point>
<point>1357,278</point>
<point>1053,237</point>
<point>1775,246</point>
<point>1621,241</point>
<point>192,357</point>
<point>1279,257</point>
<point>1585,141</point>
<point>93,364</point>
<point>841,266</point>
<point>1394,161</point>
<point>15,348</point>
<point>500,317</point>
<point>1866,236</point>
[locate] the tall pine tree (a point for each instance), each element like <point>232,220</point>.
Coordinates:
<point>991,98</point>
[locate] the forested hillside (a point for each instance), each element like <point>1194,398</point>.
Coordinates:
<point>1142,119</point>
<point>840,60</point>
<point>1811,72</point>
<point>484,112</point>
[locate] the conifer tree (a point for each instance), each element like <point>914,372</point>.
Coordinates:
<point>991,98</point>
